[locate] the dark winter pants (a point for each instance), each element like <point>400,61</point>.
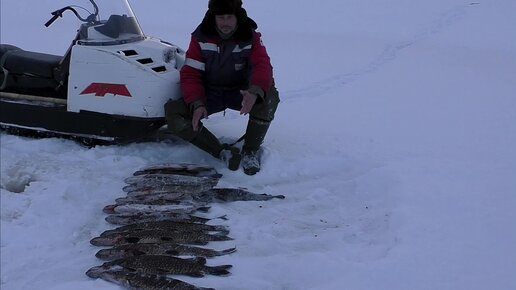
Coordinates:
<point>179,117</point>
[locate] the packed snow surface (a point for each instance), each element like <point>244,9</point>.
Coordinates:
<point>394,144</point>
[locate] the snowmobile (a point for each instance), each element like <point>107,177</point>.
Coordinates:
<point>110,86</point>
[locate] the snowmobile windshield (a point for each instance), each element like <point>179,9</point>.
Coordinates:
<point>114,24</point>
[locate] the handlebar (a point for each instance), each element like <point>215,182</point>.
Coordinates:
<point>59,13</point>
<point>52,20</point>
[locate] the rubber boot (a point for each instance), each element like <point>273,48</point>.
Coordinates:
<point>254,136</point>
<point>208,142</point>
<point>180,124</point>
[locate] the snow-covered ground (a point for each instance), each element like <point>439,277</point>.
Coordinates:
<point>395,144</point>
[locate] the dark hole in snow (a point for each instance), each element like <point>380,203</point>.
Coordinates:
<point>17,185</point>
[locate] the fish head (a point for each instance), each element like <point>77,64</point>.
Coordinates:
<point>118,277</point>
<point>120,252</point>
<point>96,272</point>
<point>110,209</point>
<point>110,254</point>
<point>104,241</point>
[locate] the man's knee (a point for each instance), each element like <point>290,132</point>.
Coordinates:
<point>266,109</point>
<point>176,107</point>
<point>179,120</point>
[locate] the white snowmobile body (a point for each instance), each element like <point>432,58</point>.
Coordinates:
<point>111,85</point>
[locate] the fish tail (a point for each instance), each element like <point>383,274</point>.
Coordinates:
<point>203,209</point>
<point>220,228</point>
<point>226,252</point>
<point>221,232</point>
<point>199,242</point>
<point>221,237</point>
<point>222,217</point>
<point>219,270</point>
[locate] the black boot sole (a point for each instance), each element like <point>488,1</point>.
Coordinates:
<point>251,171</point>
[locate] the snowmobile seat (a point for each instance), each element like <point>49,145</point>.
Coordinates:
<point>20,62</point>
<point>6,47</point>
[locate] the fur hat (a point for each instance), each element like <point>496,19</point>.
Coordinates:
<point>220,7</point>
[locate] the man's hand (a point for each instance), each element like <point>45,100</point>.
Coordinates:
<point>248,101</point>
<point>198,114</point>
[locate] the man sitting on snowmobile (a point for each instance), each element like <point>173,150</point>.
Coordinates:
<point>226,66</point>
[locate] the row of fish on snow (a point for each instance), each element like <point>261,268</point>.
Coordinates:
<point>162,228</point>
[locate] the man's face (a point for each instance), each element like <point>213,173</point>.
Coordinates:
<point>226,23</point>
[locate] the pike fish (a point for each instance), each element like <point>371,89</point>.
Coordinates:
<point>231,194</point>
<point>141,281</point>
<point>158,236</point>
<point>182,168</point>
<point>166,249</point>
<point>159,198</point>
<point>159,178</point>
<point>186,189</point>
<point>186,207</point>
<point>167,180</point>
<point>161,265</point>
<point>177,233</point>
<point>127,219</point>
<point>167,225</point>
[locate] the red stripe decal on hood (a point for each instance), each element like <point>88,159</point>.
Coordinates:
<point>101,89</point>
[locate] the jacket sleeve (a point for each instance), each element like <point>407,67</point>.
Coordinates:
<point>191,75</point>
<point>261,69</point>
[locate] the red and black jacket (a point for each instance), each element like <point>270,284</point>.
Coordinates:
<point>240,62</point>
